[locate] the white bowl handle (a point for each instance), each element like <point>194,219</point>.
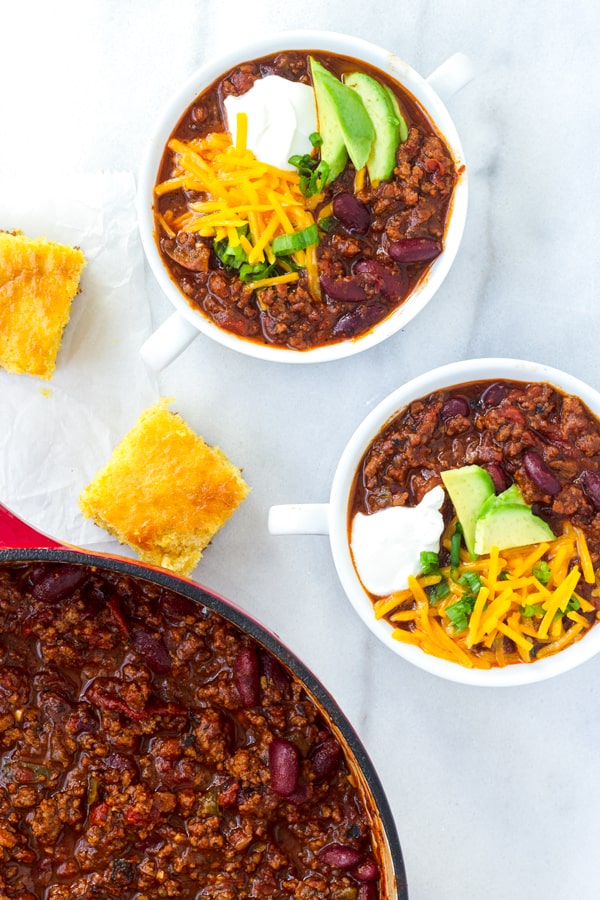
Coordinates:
<point>168,341</point>
<point>299,518</point>
<point>451,76</point>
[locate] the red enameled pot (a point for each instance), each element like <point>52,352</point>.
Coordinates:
<point>19,542</point>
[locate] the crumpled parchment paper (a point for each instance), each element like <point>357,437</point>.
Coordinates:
<point>55,435</point>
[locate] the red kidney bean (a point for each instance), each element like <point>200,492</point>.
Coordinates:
<point>177,606</point>
<point>340,856</point>
<point>358,319</point>
<point>366,870</point>
<point>367,892</point>
<point>496,473</point>
<point>152,648</point>
<point>274,673</point>
<point>353,214</point>
<point>392,283</point>
<point>591,486</point>
<point>412,250</point>
<point>246,676</point>
<point>540,474</point>
<point>302,793</point>
<point>284,766</point>
<point>325,758</point>
<point>347,289</point>
<point>493,394</point>
<point>56,582</point>
<point>455,406</point>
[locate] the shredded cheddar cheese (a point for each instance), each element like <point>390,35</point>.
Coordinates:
<point>516,606</point>
<point>245,200</point>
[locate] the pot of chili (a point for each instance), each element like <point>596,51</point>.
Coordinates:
<point>464,521</point>
<point>302,198</point>
<point>157,741</point>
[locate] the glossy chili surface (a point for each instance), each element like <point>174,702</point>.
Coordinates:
<point>363,270</point>
<point>533,435</point>
<point>149,748</point>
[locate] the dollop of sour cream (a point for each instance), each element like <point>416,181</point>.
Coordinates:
<point>281,116</point>
<point>387,544</point>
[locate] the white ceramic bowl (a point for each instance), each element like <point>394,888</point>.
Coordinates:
<point>332,518</point>
<point>181,328</point>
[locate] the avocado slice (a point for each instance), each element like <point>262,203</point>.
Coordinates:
<point>333,148</point>
<point>382,157</point>
<point>340,108</point>
<point>469,487</point>
<point>510,525</point>
<point>510,495</point>
<point>403,127</point>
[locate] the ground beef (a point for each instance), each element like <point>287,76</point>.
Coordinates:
<point>494,425</point>
<point>414,203</point>
<point>136,732</point>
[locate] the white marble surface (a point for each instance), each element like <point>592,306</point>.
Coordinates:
<point>496,793</point>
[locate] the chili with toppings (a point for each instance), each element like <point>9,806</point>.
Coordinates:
<point>149,748</point>
<point>528,434</point>
<point>375,243</point>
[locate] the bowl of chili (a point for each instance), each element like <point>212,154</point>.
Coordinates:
<point>511,614</point>
<point>188,750</point>
<point>272,256</point>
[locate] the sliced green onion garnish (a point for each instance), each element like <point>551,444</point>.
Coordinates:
<point>438,592</point>
<point>541,570</point>
<point>430,562</point>
<point>284,244</point>
<point>455,543</point>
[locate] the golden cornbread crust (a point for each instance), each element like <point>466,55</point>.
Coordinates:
<point>38,281</point>
<point>164,491</point>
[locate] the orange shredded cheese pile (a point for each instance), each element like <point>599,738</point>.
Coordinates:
<point>538,618</point>
<point>246,201</point>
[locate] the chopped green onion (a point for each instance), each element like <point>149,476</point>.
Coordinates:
<point>315,139</point>
<point>313,173</point>
<point>531,610</point>
<point>438,592</point>
<point>573,604</point>
<point>503,576</point>
<point>460,612</point>
<point>455,543</point>
<point>471,580</point>
<point>328,224</point>
<point>541,570</point>
<point>285,244</point>
<point>430,562</point>
<point>235,258</point>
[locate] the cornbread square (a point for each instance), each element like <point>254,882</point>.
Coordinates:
<point>164,492</point>
<point>38,281</point>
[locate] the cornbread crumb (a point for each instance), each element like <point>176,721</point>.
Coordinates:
<point>164,491</point>
<point>38,281</point>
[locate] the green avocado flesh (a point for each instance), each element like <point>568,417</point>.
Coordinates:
<point>343,120</point>
<point>469,487</point>
<point>488,519</point>
<point>386,123</point>
<point>333,148</point>
<point>510,525</point>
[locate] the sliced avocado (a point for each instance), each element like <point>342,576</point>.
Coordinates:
<point>333,148</point>
<point>510,495</point>
<point>403,127</point>
<point>382,157</point>
<point>338,106</point>
<point>510,525</point>
<point>469,487</point>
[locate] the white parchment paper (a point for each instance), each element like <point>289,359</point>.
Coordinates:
<point>55,435</point>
